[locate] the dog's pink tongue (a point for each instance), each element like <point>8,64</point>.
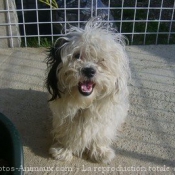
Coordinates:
<point>86,86</point>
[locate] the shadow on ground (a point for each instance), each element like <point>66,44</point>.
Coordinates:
<point>28,110</point>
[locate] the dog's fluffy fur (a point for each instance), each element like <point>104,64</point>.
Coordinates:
<point>87,79</point>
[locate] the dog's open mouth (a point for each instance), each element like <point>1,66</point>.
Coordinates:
<point>86,87</point>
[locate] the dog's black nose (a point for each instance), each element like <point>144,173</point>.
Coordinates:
<point>89,72</point>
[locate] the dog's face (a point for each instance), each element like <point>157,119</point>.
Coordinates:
<point>89,63</point>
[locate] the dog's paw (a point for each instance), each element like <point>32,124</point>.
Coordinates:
<point>102,154</point>
<point>61,154</point>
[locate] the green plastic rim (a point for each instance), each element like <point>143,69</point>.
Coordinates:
<point>11,149</point>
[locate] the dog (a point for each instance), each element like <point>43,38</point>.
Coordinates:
<point>88,71</point>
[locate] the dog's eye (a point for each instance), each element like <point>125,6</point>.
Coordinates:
<point>77,56</point>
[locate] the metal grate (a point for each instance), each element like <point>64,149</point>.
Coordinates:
<point>33,23</point>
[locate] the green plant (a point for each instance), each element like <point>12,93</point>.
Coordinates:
<point>35,42</point>
<point>51,3</point>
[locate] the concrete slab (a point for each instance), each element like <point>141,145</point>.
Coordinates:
<point>146,145</point>
<point>9,34</point>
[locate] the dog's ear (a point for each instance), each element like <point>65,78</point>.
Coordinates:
<point>53,61</point>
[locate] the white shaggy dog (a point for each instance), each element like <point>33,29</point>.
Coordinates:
<point>87,80</point>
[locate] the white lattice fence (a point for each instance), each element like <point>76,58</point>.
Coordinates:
<point>33,23</point>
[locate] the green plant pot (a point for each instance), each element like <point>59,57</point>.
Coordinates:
<point>11,150</point>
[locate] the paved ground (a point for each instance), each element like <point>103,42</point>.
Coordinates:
<point>147,144</point>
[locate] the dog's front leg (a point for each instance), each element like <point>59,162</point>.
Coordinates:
<point>60,153</point>
<point>101,153</point>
